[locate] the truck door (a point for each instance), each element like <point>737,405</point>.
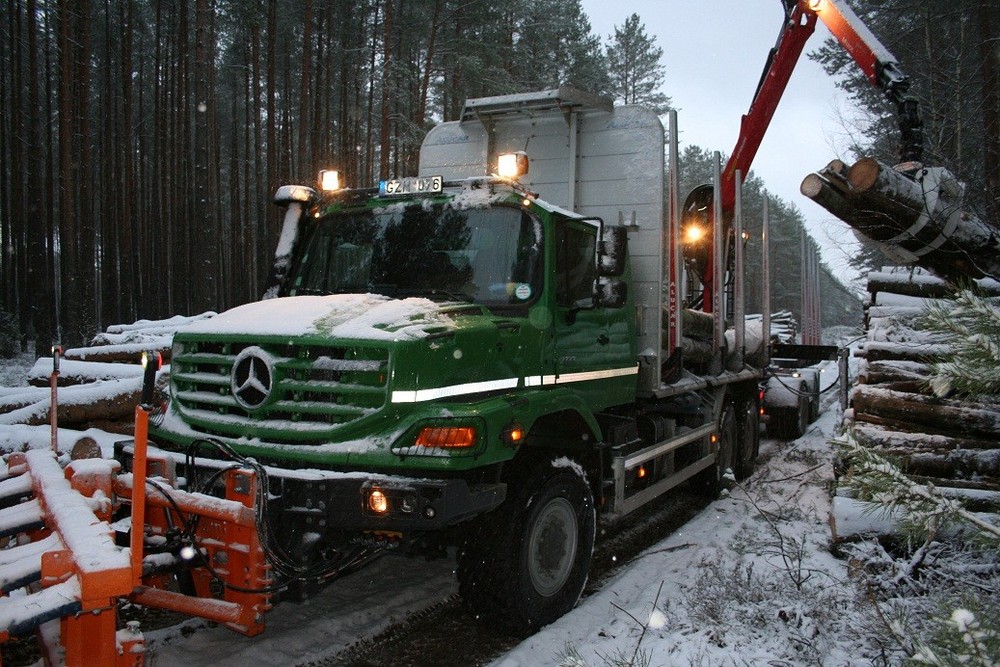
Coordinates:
<point>592,354</point>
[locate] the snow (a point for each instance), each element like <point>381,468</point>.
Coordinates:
<point>366,316</point>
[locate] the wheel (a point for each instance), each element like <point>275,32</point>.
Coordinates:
<point>709,482</point>
<point>814,403</point>
<point>525,564</point>
<point>748,436</point>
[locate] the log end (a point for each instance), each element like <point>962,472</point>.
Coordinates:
<point>863,174</point>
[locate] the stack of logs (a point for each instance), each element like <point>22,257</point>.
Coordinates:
<point>914,213</point>
<point>951,443</point>
<point>100,385</point>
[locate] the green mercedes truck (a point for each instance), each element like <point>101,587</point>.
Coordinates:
<point>486,358</point>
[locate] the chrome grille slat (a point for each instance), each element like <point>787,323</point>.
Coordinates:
<point>315,388</point>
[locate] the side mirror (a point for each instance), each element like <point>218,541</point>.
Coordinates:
<point>610,293</point>
<point>611,251</point>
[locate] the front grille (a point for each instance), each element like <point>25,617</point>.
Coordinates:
<point>312,389</point>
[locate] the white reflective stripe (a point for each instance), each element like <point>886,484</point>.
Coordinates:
<point>583,376</point>
<point>416,396</point>
<point>419,395</point>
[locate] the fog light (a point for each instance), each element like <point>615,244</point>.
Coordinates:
<point>378,502</point>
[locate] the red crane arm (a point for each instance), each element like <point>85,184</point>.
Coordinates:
<point>799,26</point>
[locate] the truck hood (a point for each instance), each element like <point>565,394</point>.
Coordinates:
<point>350,316</point>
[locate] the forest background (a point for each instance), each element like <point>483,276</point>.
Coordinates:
<point>141,141</point>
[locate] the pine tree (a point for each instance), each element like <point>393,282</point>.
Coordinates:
<point>634,62</point>
<point>971,324</point>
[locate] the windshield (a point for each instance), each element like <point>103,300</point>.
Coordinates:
<point>484,255</point>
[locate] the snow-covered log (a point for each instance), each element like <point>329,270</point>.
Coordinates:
<point>935,415</point>
<point>101,401</point>
<point>877,372</point>
<point>852,519</point>
<point>903,442</point>
<point>80,372</point>
<point>922,285</point>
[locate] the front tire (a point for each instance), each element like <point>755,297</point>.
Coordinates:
<point>526,563</point>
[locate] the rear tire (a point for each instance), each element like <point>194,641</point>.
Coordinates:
<point>748,438</point>
<point>525,564</point>
<point>710,481</point>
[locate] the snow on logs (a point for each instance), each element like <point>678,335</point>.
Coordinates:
<point>950,443</point>
<point>917,219</point>
<point>100,385</point>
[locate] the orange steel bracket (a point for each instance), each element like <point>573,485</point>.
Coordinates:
<point>229,547</point>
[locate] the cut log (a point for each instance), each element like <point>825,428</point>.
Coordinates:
<point>113,401</point>
<point>917,217</point>
<point>22,399</point>
<point>935,415</point>
<point>953,465</point>
<point>894,371</point>
<point>852,519</point>
<point>883,437</point>
<point>80,372</point>
<point>822,191</point>
<point>893,351</point>
<point>117,354</point>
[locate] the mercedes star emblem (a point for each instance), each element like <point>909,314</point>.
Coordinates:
<point>251,378</point>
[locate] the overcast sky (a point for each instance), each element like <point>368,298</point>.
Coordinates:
<point>714,52</point>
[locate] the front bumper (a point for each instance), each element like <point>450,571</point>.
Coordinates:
<point>324,500</point>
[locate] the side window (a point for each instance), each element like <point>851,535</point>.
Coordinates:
<point>576,247</point>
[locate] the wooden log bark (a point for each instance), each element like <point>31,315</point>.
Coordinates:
<point>885,437</point>
<point>934,415</point>
<point>893,351</point>
<point>79,405</point>
<point>877,372</point>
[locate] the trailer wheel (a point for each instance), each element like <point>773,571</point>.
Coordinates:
<point>525,564</point>
<point>748,438</point>
<point>710,481</point>
<point>814,402</point>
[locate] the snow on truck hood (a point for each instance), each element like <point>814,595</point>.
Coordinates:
<point>365,316</point>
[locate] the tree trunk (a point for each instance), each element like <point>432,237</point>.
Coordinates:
<point>988,41</point>
<point>388,87</point>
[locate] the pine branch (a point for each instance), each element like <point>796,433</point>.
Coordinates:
<point>888,489</point>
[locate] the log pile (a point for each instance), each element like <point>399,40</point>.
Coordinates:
<point>100,384</point>
<point>952,443</point>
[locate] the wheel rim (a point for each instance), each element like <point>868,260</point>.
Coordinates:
<point>552,547</point>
